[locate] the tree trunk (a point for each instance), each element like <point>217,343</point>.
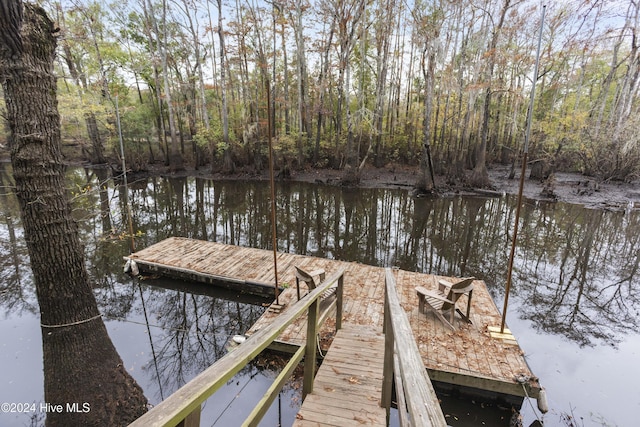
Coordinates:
<point>347,14</point>
<point>254,144</point>
<point>303,126</point>
<point>92,124</point>
<point>97,156</point>
<point>426,180</point>
<point>194,30</point>
<point>285,65</point>
<point>324,70</point>
<point>480,176</point>
<point>81,364</point>
<point>161,128</point>
<point>429,29</point>
<point>631,80</point>
<point>174,154</point>
<point>175,159</point>
<point>383,32</point>
<point>228,165</point>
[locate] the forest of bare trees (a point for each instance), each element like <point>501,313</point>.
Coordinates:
<point>443,84</point>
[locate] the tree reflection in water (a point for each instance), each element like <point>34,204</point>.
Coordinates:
<point>13,250</point>
<point>580,274</point>
<point>574,267</point>
<point>573,274</point>
<point>188,326</point>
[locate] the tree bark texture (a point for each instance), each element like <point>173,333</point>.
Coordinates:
<point>81,364</point>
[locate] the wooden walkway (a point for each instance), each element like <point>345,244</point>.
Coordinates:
<point>348,385</point>
<point>471,356</point>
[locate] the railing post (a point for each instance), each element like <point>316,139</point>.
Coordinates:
<point>312,348</point>
<point>389,342</point>
<point>192,420</point>
<point>339,300</point>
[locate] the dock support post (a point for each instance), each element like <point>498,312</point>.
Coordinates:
<point>311,349</point>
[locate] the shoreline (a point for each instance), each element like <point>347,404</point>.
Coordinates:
<point>572,188</point>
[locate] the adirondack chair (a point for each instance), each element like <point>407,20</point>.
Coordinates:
<point>309,278</point>
<point>444,299</point>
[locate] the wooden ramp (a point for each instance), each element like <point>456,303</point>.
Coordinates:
<point>348,385</point>
<point>471,355</point>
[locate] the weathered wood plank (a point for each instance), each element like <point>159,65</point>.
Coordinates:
<point>340,367</point>
<point>348,396</point>
<point>347,402</point>
<point>356,400</point>
<point>314,419</point>
<point>479,355</point>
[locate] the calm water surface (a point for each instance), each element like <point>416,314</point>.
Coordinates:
<point>574,306</point>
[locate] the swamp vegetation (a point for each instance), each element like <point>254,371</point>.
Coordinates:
<point>442,86</point>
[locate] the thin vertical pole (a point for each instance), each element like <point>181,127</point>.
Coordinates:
<point>274,237</point>
<point>522,173</point>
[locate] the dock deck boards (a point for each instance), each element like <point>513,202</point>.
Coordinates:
<point>468,356</point>
<point>348,386</point>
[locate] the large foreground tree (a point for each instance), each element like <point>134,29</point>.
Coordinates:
<point>81,364</point>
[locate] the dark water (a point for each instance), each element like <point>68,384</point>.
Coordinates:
<point>573,308</point>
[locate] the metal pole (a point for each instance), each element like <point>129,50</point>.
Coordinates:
<point>274,242</point>
<point>522,174</point>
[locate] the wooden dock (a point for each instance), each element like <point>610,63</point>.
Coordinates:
<point>348,385</point>
<point>472,356</point>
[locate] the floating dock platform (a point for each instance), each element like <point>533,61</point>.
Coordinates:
<point>473,356</point>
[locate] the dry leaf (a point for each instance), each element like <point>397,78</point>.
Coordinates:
<point>354,380</point>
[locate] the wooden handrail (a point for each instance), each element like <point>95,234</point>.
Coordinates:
<point>185,402</point>
<point>412,380</point>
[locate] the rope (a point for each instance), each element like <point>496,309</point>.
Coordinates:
<point>64,325</point>
<point>233,399</point>
<point>166,328</point>
<point>319,348</point>
<point>522,379</point>
<point>122,319</point>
